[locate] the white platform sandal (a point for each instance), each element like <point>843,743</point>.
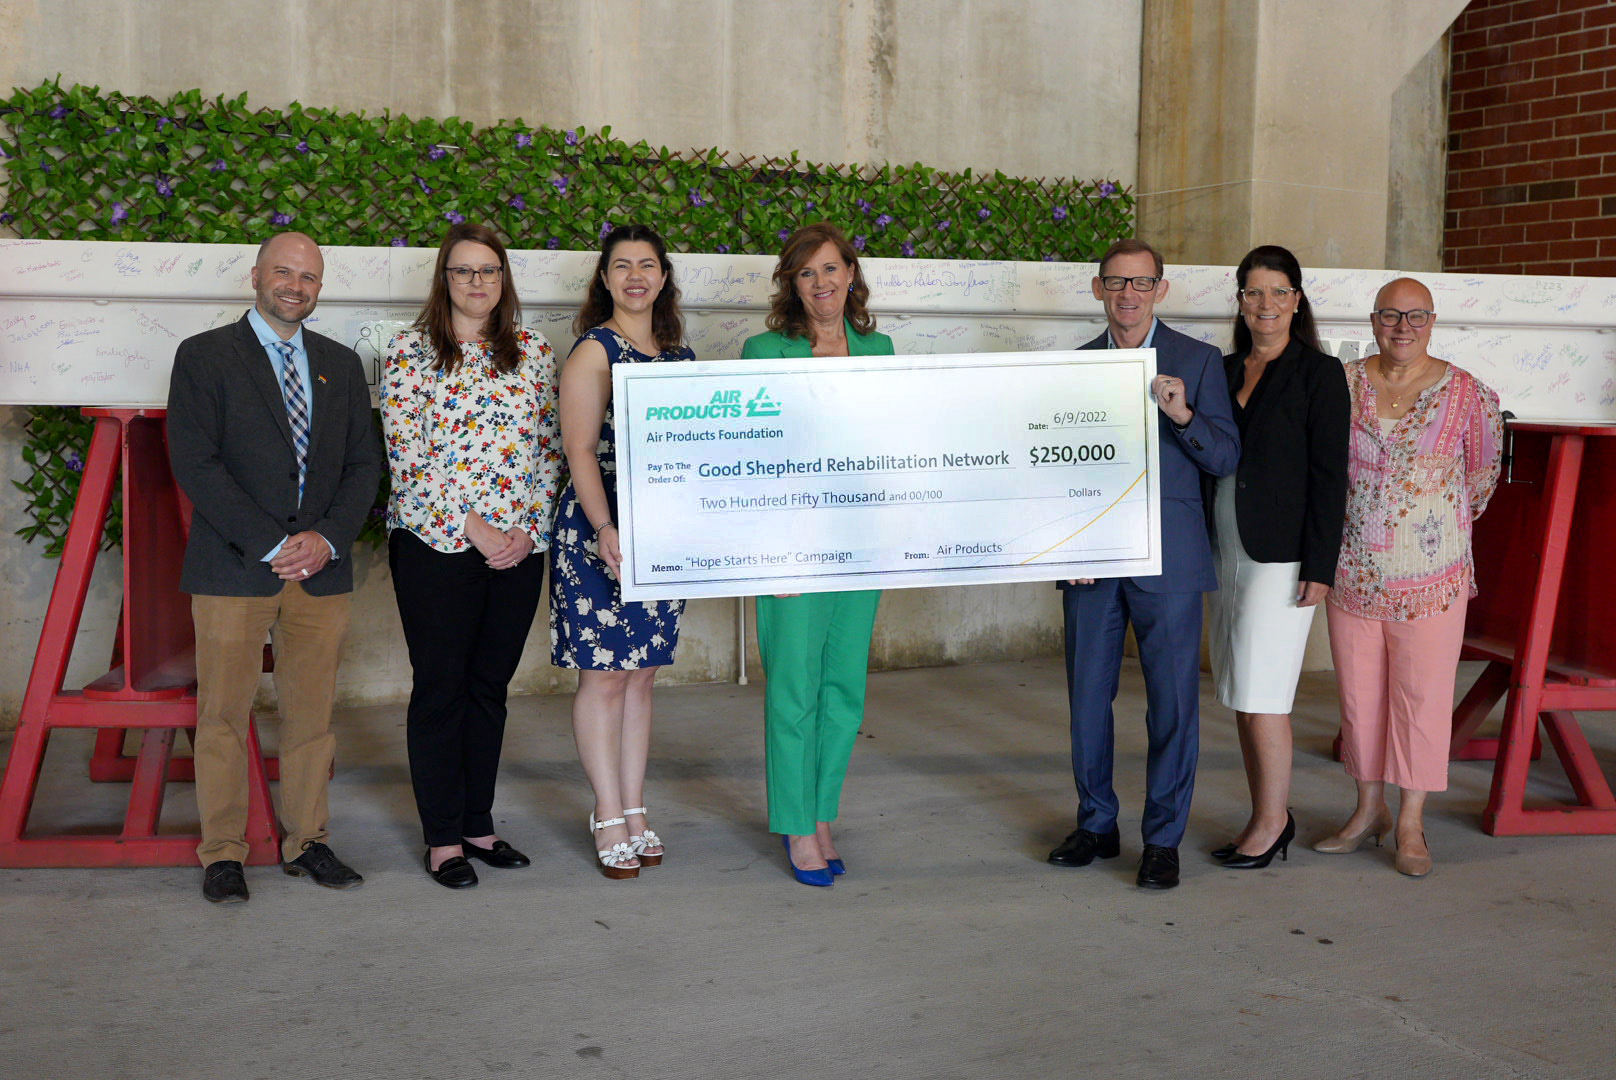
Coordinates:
<point>617,861</point>
<point>644,840</point>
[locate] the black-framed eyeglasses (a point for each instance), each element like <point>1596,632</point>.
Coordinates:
<point>1280,293</point>
<point>462,275</point>
<point>1142,283</point>
<point>1390,316</point>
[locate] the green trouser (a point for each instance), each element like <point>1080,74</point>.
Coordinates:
<point>816,653</point>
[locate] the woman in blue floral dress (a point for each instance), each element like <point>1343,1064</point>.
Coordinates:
<point>631,315</point>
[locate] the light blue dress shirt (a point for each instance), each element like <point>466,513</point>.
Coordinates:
<point>270,340</point>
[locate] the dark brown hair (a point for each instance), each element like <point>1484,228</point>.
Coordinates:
<point>667,325</point>
<point>436,318</point>
<point>1273,257</point>
<point>1130,246</point>
<point>786,313</point>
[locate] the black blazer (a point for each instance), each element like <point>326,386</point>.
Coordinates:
<point>230,446</point>
<point>1290,494</point>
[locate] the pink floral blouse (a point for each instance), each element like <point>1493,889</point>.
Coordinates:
<point>1412,494</point>
<point>471,441</point>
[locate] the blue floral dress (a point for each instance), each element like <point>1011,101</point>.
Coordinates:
<point>590,625</point>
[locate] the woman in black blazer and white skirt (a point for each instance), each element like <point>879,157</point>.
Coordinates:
<point>1277,526</point>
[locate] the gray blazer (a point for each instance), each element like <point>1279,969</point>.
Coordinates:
<point>230,446</point>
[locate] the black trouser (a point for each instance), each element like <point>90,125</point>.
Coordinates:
<point>466,625</point>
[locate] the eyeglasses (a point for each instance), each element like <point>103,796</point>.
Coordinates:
<point>462,275</point>
<point>1143,283</point>
<point>1280,293</point>
<point>1390,316</point>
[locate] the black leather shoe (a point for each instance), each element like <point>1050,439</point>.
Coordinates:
<point>1158,867</point>
<point>1241,861</point>
<point>501,855</point>
<point>321,864</point>
<point>224,883</point>
<point>1083,847</point>
<point>455,873</point>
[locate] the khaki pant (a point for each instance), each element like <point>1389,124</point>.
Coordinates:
<point>307,634</point>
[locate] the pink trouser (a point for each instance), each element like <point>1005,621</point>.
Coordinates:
<point>1396,680</point>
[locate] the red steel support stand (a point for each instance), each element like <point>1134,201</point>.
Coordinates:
<point>1544,622</point>
<point>151,687</point>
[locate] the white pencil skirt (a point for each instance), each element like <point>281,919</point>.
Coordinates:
<point>1258,634</point>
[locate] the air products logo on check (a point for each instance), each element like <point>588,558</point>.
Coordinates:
<point>725,405</point>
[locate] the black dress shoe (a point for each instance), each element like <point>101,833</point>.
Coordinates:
<point>1082,847</point>
<point>321,864</point>
<point>501,855</point>
<point>1226,850</point>
<point>224,883</point>
<point>1158,867</point>
<point>455,873</point>
<point>1241,861</point>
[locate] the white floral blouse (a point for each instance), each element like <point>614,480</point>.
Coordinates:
<point>473,441</point>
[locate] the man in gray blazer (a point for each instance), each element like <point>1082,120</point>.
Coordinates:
<point>270,437</point>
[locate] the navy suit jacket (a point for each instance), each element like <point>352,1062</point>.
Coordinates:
<point>1209,444</point>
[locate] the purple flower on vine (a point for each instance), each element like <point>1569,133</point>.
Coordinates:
<point>1049,258</point>
<point>560,184</point>
<point>552,243</point>
<point>426,189</point>
<point>1060,213</point>
<point>218,165</point>
<point>58,112</point>
<point>784,234</point>
<point>163,122</point>
<point>858,243</point>
<point>572,137</point>
<point>1108,189</point>
<point>722,249</point>
<point>983,214</point>
<point>6,218</point>
<point>908,250</point>
<point>302,146</point>
<point>696,199</point>
<point>606,229</point>
<point>280,219</point>
<point>397,241</point>
<point>44,166</point>
<point>517,203</point>
<point>3,153</point>
<point>810,205</point>
<point>945,224</point>
<point>119,214</point>
<point>454,218</point>
<point>883,220</point>
<point>116,127</point>
<point>435,153</point>
<point>74,463</point>
<point>164,188</point>
<point>864,205</point>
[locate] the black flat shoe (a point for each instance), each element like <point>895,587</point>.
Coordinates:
<point>1242,861</point>
<point>501,855</point>
<point>321,863</point>
<point>1226,850</point>
<point>1158,867</point>
<point>224,883</point>
<point>455,873</point>
<point>1082,847</point>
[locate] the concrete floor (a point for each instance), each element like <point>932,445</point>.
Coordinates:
<point>950,949</point>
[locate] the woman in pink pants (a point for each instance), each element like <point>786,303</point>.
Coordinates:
<point>1422,462</point>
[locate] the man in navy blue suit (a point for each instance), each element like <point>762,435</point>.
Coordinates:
<point>1198,435</point>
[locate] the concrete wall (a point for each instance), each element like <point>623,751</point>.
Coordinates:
<point>1032,87</point>
<point>1271,121</point>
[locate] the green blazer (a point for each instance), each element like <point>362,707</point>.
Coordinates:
<point>773,345</point>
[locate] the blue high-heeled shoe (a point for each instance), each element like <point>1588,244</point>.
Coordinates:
<point>806,877</point>
<point>836,867</point>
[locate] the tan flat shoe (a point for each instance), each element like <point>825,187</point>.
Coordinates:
<point>1343,843</point>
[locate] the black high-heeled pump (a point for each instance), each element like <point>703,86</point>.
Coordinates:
<point>1240,861</point>
<point>1221,853</point>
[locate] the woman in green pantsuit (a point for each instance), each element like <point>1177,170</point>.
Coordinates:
<point>815,647</point>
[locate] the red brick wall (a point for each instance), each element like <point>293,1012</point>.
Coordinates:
<point>1532,138</point>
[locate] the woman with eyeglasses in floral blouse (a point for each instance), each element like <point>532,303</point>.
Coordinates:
<point>1423,461</point>
<point>469,416</point>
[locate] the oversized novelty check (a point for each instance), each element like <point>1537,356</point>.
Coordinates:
<point>783,476</point>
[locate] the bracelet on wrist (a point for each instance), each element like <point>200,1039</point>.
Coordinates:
<point>607,524</point>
